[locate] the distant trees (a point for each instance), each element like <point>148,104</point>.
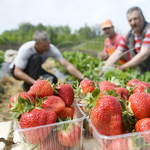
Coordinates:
<point>58,34</point>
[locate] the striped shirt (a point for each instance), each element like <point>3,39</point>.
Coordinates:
<point>137,39</point>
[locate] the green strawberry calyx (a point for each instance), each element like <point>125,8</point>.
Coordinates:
<point>65,126</point>
<point>90,99</point>
<point>23,105</point>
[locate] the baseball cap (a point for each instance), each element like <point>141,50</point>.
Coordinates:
<point>106,23</point>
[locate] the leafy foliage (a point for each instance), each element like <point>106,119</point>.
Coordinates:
<point>90,66</point>
<point>1,56</point>
<point>57,34</point>
<point>85,63</point>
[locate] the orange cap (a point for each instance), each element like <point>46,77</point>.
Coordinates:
<point>106,23</point>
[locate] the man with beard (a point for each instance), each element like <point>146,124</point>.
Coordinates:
<point>137,40</point>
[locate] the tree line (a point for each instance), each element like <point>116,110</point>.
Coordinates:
<point>57,34</point>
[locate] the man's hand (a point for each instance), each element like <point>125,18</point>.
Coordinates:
<point>40,78</point>
<point>104,55</point>
<point>101,71</point>
<point>119,67</point>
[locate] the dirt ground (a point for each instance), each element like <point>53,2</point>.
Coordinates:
<point>12,86</point>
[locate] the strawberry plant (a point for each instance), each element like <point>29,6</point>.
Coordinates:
<point>85,63</point>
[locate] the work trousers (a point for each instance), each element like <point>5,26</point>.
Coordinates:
<point>34,70</point>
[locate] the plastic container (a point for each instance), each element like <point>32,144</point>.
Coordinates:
<point>86,128</point>
<point>52,142</point>
<point>128,141</point>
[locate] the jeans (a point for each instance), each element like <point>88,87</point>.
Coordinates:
<point>34,70</point>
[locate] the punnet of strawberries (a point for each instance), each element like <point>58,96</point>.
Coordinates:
<point>42,106</point>
<point>117,108</point>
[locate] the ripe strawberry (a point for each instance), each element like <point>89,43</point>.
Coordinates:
<point>43,88</point>
<point>24,95</point>
<point>66,112</point>
<point>65,91</point>
<point>133,82</point>
<point>55,103</point>
<point>139,104</point>
<point>87,86</point>
<point>110,90</point>
<point>144,125</point>
<point>140,87</point>
<point>105,88</point>
<point>103,83</point>
<point>51,143</point>
<point>123,91</point>
<point>70,136</point>
<point>34,118</point>
<point>118,144</point>
<point>106,116</point>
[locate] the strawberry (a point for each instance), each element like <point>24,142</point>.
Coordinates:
<point>141,87</point>
<point>139,104</point>
<point>42,87</point>
<point>106,116</point>
<point>70,136</point>
<point>123,92</point>
<point>24,95</point>
<point>105,88</point>
<point>34,118</point>
<point>87,86</point>
<point>51,143</point>
<point>54,102</point>
<point>65,91</point>
<point>133,82</point>
<point>110,90</point>
<point>104,83</point>
<point>66,112</point>
<point>143,125</point>
<point>118,144</point>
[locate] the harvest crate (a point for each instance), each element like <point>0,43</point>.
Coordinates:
<point>52,138</point>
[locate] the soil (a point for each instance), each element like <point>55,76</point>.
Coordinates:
<point>12,86</point>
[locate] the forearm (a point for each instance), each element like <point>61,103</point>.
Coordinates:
<point>23,76</point>
<point>111,58</point>
<point>74,71</point>
<point>136,60</point>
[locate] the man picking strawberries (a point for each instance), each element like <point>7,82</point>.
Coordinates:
<point>31,55</point>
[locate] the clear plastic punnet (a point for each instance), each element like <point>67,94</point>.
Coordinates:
<point>57,139</point>
<point>127,141</point>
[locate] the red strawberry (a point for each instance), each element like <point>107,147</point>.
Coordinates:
<point>139,104</point>
<point>140,87</point>
<point>43,88</point>
<point>105,88</point>
<point>143,125</point>
<point>106,116</point>
<point>51,143</point>
<point>34,118</point>
<point>66,112</point>
<point>133,82</point>
<point>24,95</point>
<point>69,137</point>
<point>65,91</point>
<point>123,91</point>
<point>103,83</point>
<point>55,103</point>
<point>118,144</point>
<point>110,90</point>
<point>87,86</point>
